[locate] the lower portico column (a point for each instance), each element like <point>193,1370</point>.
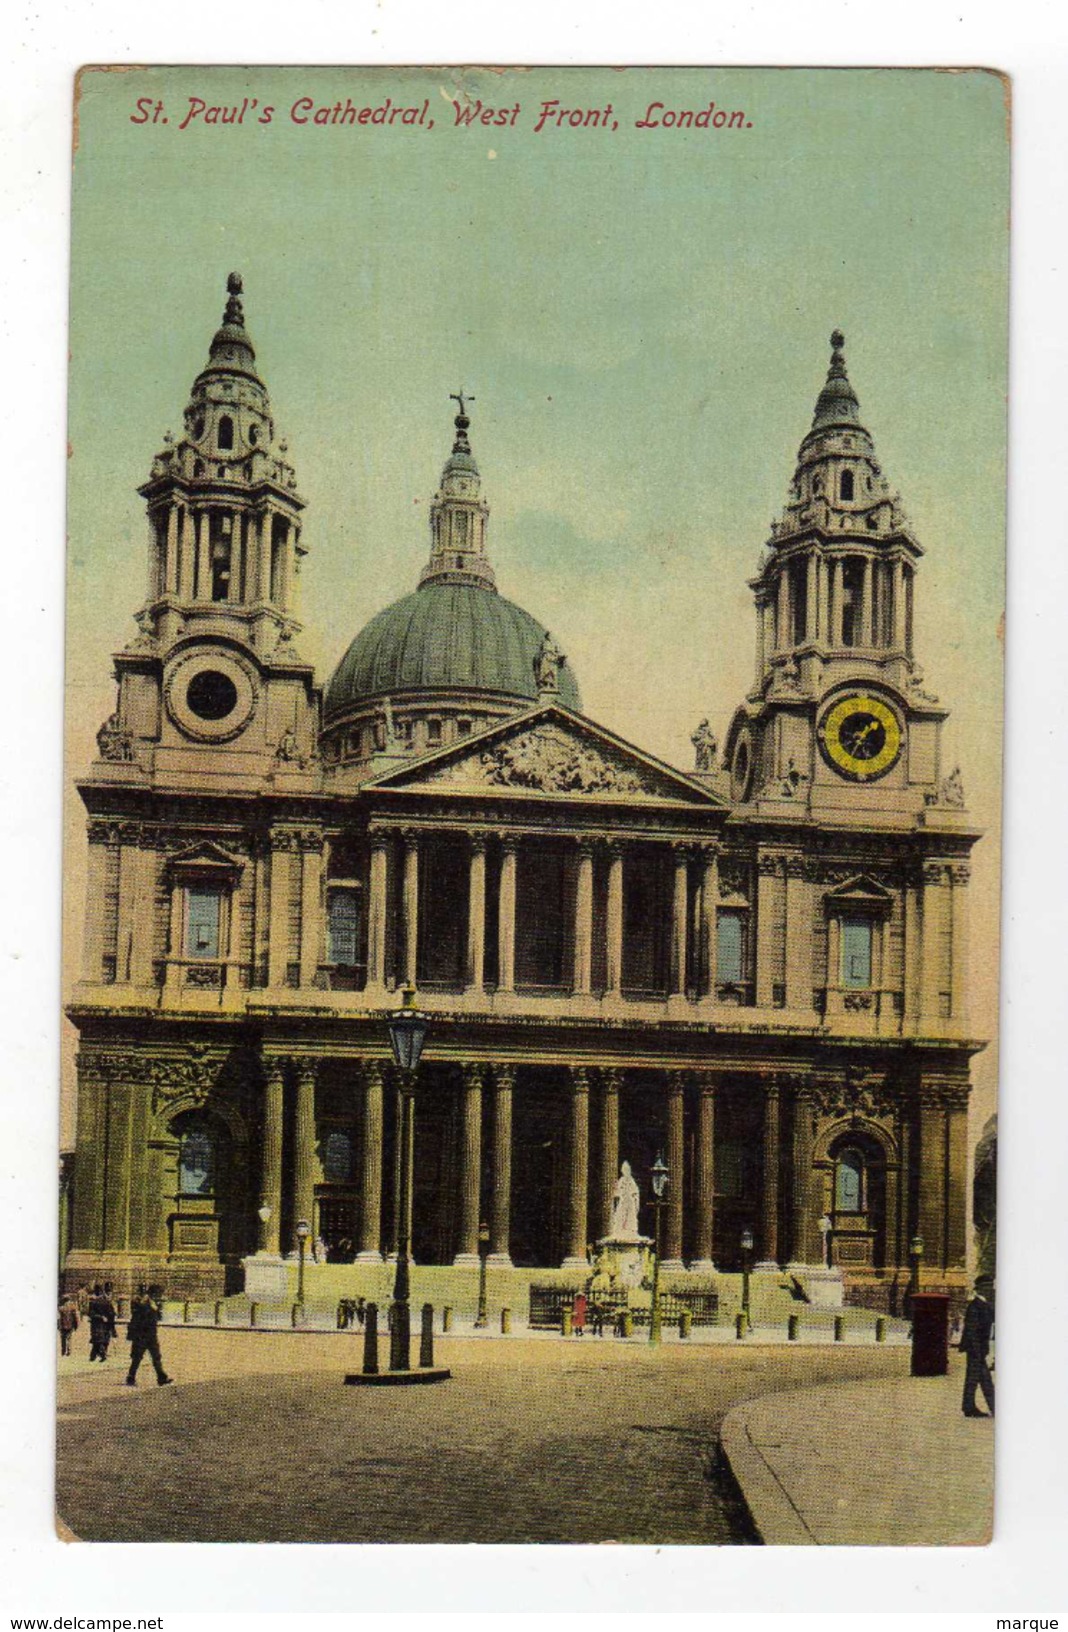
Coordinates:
<point>274,1092</point>
<point>470,1165</point>
<point>611,1081</point>
<point>304,1175</point>
<point>769,1215</point>
<point>674,1156</point>
<point>500,1256</point>
<point>704,1174</point>
<point>370,1241</point>
<point>801,1244</point>
<point>578,1173</point>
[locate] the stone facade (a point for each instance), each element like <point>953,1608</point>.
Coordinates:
<point>758,967</point>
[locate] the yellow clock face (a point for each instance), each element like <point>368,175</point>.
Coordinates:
<point>860,737</point>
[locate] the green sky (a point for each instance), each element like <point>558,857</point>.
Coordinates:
<point>642,316</point>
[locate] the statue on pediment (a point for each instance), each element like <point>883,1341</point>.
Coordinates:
<point>705,747</point>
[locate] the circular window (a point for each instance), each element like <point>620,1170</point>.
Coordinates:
<point>211,695</point>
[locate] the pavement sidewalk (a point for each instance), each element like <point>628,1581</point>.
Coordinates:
<point>886,1463</point>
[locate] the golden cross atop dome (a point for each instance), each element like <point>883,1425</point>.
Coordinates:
<point>462,398</point>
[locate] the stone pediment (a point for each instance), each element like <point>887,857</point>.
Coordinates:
<point>860,891</point>
<point>205,857</point>
<point>549,752</point>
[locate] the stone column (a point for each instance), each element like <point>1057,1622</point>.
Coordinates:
<point>370,1225</point>
<point>769,872</point>
<point>281,880</point>
<point>470,1165</point>
<point>96,874</point>
<point>476,915</point>
<point>500,1220</point>
<point>960,873</point>
<point>170,573</point>
<point>706,981</point>
<point>679,921</point>
<point>583,949</point>
<point>377,908</point>
<point>812,597</point>
<point>769,1208</point>
<point>933,906</point>
<point>578,1170</point>
<point>143,929</point>
<point>823,619</point>
<point>837,599</point>
<point>611,1081</point>
<point>798,934</point>
<point>311,914</point>
<point>203,521</point>
<point>614,925</point>
<point>187,565</point>
<point>802,1243</point>
<point>783,632</point>
<point>411,907</point>
<point>911,982</point>
<point>760,654</point>
<point>674,1155</point>
<point>175,945</point>
<point>932,1164</point>
<point>866,606</point>
<point>506,916</point>
<point>263,556</point>
<point>704,1199</point>
<point>304,1171</point>
<point>956,1177</point>
<point>273,1101</point>
<point>898,605</point>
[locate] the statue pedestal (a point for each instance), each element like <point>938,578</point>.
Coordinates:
<point>626,1260</point>
<point>266,1278</point>
<point>822,1285</point>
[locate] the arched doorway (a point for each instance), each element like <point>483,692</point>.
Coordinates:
<point>858,1200</point>
<point>205,1224</point>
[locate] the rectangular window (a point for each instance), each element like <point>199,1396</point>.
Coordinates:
<point>730,947</point>
<point>343,927</point>
<point>856,952</point>
<point>203,915</point>
<point>433,731</point>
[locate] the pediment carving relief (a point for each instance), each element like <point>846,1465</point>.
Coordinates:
<point>548,759</point>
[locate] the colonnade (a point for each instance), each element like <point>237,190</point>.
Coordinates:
<point>886,590</point>
<point>179,554</point>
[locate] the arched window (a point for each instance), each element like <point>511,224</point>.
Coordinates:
<point>226,432</point>
<point>196,1162</point>
<point>845,486</point>
<point>849,1182</point>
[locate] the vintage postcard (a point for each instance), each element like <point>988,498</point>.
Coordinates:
<point>536,557</point>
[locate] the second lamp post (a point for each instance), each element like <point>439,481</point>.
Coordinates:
<point>407,1034</point>
<point>660,1177</point>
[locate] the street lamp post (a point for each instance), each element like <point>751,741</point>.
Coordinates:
<point>747,1259</point>
<point>407,1034</point>
<point>659,1176</point>
<point>303,1232</point>
<point>482,1318</point>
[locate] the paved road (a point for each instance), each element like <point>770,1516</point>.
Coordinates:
<point>529,1441</point>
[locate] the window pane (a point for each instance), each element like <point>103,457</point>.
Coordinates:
<point>202,931</point>
<point>337,1158</point>
<point>196,1163</point>
<point>729,947</point>
<point>344,925</point>
<point>856,952</point>
<point>848,1184</point>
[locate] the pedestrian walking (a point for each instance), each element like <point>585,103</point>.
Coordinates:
<point>101,1323</point>
<point>67,1322</point>
<point>142,1334</point>
<point>578,1315</point>
<point>975,1345</point>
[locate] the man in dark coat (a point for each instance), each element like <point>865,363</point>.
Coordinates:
<point>101,1323</point>
<point>975,1344</point>
<point>142,1334</point>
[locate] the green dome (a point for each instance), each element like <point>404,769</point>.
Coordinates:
<point>445,637</point>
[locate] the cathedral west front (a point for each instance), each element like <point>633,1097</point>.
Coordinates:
<point>755,967</point>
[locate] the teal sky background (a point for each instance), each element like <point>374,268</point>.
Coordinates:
<point>643,319</point>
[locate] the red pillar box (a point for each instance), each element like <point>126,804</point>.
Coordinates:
<point>930,1334</point>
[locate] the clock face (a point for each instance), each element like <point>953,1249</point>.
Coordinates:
<point>860,737</point>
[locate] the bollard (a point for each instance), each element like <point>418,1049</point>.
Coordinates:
<point>426,1336</point>
<point>685,1322</point>
<point>506,1322</point>
<point>839,1328</point>
<point>187,1313</point>
<point>253,1314</point>
<point>446,1318</point>
<point>220,1312</point>
<point>627,1324</point>
<point>739,1323</point>
<point>297,1315</point>
<point>565,1322</point>
<point>793,1327</point>
<point>880,1329</point>
<point>370,1340</point>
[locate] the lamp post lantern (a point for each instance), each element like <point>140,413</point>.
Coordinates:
<point>747,1260</point>
<point>660,1176</point>
<point>482,1318</point>
<point>916,1255</point>
<point>303,1231</point>
<point>263,1213</point>
<point>407,1034</point>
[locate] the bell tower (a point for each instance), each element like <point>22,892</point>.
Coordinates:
<point>458,516</point>
<point>837,714</point>
<point>214,665</point>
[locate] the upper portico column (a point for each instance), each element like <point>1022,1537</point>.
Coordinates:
<point>506,915</point>
<point>376,908</point>
<point>706,958</point>
<point>411,907</point>
<point>679,920</point>
<point>476,914</point>
<point>614,924</point>
<point>583,960</point>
